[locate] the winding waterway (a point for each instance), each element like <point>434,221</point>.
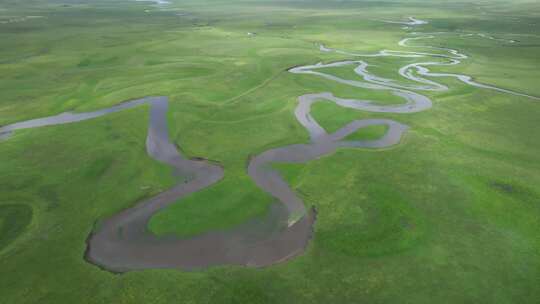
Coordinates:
<point>122,242</point>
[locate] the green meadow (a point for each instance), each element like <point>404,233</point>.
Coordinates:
<point>450,215</point>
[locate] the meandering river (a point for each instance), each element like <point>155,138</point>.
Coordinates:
<point>122,242</point>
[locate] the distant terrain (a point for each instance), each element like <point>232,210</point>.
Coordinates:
<point>269,151</point>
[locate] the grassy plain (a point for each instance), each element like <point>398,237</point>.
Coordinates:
<point>448,216</point>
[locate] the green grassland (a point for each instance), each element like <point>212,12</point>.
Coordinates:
<point>450,215</point>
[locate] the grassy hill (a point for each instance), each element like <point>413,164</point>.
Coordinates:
<point>451,215</point>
